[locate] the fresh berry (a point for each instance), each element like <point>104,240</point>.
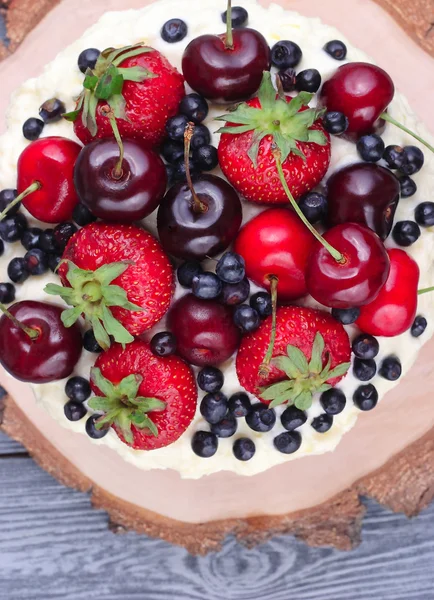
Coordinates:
<point>239,405</point>
<point>390,368</point>
<point>288,79</point>
<point>187,272</point>
<point>52,110</point>
<point>7,293</point>
<point>175,128</point>
<point>47,242</point>
<point>180,171</point>
<point>89,342</point>
<point>417,329</point>
<point>346,316</point>
<point>308,81</point>
<point>74,411</point>
<point>365,346</point>
<point>206,157</point>
<point>246,318</point>
<point>235,293</point>
<point>336,49</point>
<point>214,407</point>
<point>194,107</point>
<point>207,286</point>
<point>170,174</point>
<point>286,54</point>
<point>30,238</point>
<point>82,215</point>
<point>239,16</point>
<point>78,389</point>
<point>2,247</point>
<point>287,442</point>
<point>333,401</point>
<point>424,214</point>
<point>261,418</point>
<point>174,30</point>
<point>231,268</point>
<point>63,233</point>
<point>54,261</point>
<point>225,428</point>
<point>204,444</point>
<point>364,370</point>
<point>32,128</point>
<point>244,449</point>
<point>17,270</point>
<point>6,197</point>
<point>36,261</point>
<point>172,151</point>
<point>314,207</point>
<point>201,137</point>
<point>370,148</point>
<point>414,160</point>
<point>149,400</point>
<point>322,423</point>
<point>13,228</point>
<point>91,428</point>
<point>335,122</point>
<point>394,157</point>
<point>406,233</point>
<point>210,379</point>
<point>365,397</point>
<point>292,418</point>
<point>408,186</point>
<point>87,59</point>
<point>261,302</point>
<point>163,344</point>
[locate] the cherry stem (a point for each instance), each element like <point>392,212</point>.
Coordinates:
<point>229,36</point>
<point>117,171</point>
<point>198,205</point>
<point>391,120</point>
<point>335,253</point>
<point>264,369</point>
<point>32,188</point>
<point>32,333</point>
<point>425,291</point>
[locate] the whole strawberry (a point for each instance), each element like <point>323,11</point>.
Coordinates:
<point>310,354</point>
<point>142,88</point>
<point>118,278</point>
<point>266,123</point>
<point>148,400</point>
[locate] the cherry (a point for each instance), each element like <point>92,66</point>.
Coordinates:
<point>276,243</point>
<point>394,309</point>
<point>204,329</point>
<point>227,67</point>
<point>354,280</point>
<point>366,194</point>
<point>35,346</point>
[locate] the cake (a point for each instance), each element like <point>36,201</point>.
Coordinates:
<point>383,348</point>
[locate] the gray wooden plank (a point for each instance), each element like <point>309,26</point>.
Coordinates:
<point>53,545</point>
<point>9,446</point>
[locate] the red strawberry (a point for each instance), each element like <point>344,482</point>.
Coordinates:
<point>149,400</point>
<point>311,354</point>
<point>256,128</point>
<point>118,277</point>
<point>141,87</point>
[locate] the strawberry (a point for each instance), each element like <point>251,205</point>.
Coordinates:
<point>255,129</point>
<point>118,277</point>
<point>142,88</point>
<point>310,354</point>
<point>148,400</point>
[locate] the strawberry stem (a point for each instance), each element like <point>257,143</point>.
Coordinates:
<point>32,333</point>
<point>335,253</point>
<point>108,112</point>
<point>229,36</point>
<point>32,188</point>
<point>425,291</point>
<point>264,369</point>
<point>393,121</point>
<point>198,205</point>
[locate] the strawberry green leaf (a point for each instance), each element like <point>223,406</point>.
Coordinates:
<point>276,390</point>
<point>284,363</point>
<point>315,364</point>
<point>129,386</point>
<point>58,290</point>
<point>118,105</point>
<point>267,93</point>
<point>137,74</point>
<point>304,400</point>
<point>100,333</point>
<point>123,421</point>
<point>70,316</point>
<point>339,370</point>
<point>109,84</point>
<point>114,295</point>
<point>100,404</point>
<point>114,328</point>
<point>122,54</point>
<point>72,115</point>
<point>150,404</point>
<point>107,273</point>
<point>298,358</point>
<point>90,81</point>
<point>103,384</point>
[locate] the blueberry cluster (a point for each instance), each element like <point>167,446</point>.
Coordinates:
<point>78,391</point>
<point>50,111</point>
<point>285,56</point>
<point>366,348</point>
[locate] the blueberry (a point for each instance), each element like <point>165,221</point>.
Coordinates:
<point>262,303</point>
<point>206,157</point>
<point>187,271</point>
<point>231,268</point>
<point>82,215</point>
<point>170,173</point>
<point>288,78</point>
<point>424,214</point>
<point>370,148</point>
<point>246,318</point>
<point>226,427</point>
<point>74,411</point>
<point>364,369</point>
<point>207,286</point>
<point>286,54</point>
<point>333,401</point>
<point>308,80</point>
<point>390,368</point>
<point>36,261</point>
<point>201,137</point>
<point>175,128</point>
<point>235,293</point>
<point>244,449</point>
<point>89,342</point>
<point>52,110</point>
<point>163,344</point>
<point>239,405</point>
<point>17,270</point>
<point>365,346</point>
<point>408,186</point>
<point>91,429</point>
<point>87,59</point>
<point>172,151</point>
<point>54,261</point>
<point>335,122</point>
<point>406,233</point>
<point>336,49</point>
<point>7,293</point>
<point>314,206</point>
<point>292,418</point>
<point>78,389</point>
<point>239,16</point>
<point>194,107</point>
<point>346,316</point>
<point>366,397</point>
<point>322,423</point>
<point>47,241</point>
<point>419,326</point>
<point>414,159</point>
<point>394,156</point>
<point>63,233</point>
<point>32,128</point>
<point>261,418</point>
<point>204,444</point>
<point>6,197</point>
<point>287,442</point>
<point>30,238</point>
<point>214,407</point>
<point>210,379</point>
<point>13,228</point>
<point>179,173</point>
<point>174,31</point>
<point>2,247</point>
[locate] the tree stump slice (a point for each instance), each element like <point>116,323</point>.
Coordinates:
<point>315,498</point>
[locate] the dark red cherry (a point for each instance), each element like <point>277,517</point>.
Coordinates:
<point>363,193</point>
<point>355,281</point>
<point>192,229</point>
<point>126,196</point>
<point>204,330</point>
<point>49,353</point>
